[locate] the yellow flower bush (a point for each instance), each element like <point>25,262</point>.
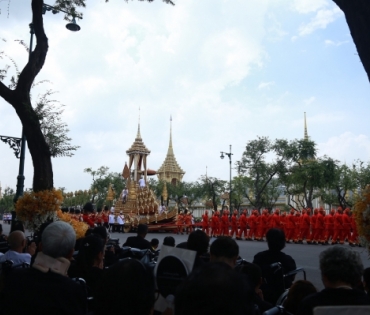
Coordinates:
<point>362,216</point>
<point>35,208</point>
<point>79,227</point>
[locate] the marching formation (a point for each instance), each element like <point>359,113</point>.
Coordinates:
<point>318,227</point>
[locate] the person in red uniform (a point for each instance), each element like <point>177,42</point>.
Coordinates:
<point>283,217</point>
<point>305,226</point>
<point>275,221</point>
<point>234,224</point>
<point>243,222</point>
<point>263,226</point>
<point>180,222</point>
<point>105,217</point>
<point>224,224</point>
<point>338,227</point>
<point>188,222</point>
<point>329,226</point>
<point>205,222</point>
<point>320,227</point>
<point>297,229</point>
<point>218,223</point>
<point>290,226</point>
<point>253,225</point>
<point>313,225</point>
<point>346,220</point>
<point>88,210</point>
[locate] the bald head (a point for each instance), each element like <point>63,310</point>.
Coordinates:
<point>17,241</point>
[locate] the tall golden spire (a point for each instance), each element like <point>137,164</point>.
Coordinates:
<point>305,127</point>
<point>170,171</point>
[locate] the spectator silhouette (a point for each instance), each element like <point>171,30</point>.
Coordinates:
<point>127,288</point>
<point>341,272</point>
<point>275,283</point>
<point>224,249</point>
<point>297,292</point>
<point>214,288</point>
<point>45,288</point>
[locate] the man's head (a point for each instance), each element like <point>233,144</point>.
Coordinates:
<point>198,241</point>
<point>154,243</point>
<point>275,239</point>
<point>58,240</point>
<point>254,274</point>
<point>224,249</point>
<point>169,241</point>
<point>340,266</point>
<point>214,288</point>
<point>142,230</point>
<point>17,241</point>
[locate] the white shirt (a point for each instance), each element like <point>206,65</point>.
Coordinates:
<point>111,218</point>
<point>141,182</point>
<point>124,192</point>
<point>121,219</point>
<point>17,258</point>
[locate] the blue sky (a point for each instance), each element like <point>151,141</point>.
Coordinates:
<point>227,72</point>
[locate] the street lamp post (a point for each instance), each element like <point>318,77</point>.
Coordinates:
<point>229,155</point>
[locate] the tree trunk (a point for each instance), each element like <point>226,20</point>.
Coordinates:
<point>357,14</point>
<point>20,100</point>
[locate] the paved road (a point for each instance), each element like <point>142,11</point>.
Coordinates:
<point>306,256</point>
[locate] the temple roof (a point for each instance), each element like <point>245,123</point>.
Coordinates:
<point>138,147</point>
<point>170,164</point>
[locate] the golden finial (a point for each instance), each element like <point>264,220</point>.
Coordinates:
<point>305,127</point>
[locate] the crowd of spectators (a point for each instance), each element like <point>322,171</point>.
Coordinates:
<point>114,282</point>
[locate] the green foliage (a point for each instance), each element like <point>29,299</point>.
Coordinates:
<point>101,179</point>
<point>7,203</point>
<point>212,188</point>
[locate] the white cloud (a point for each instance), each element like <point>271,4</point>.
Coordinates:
<point>329,42</point>
<point>322,19</point>
<point>345,147</point>
<point>266,85</point>
<point>310,100</point>
<point>308,6</point>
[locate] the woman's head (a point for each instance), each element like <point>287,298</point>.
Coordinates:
<point>91,252</point>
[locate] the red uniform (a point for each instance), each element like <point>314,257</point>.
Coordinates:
<point>338,227</point>
<point>290,226</point>
<point>275,220</point>
<point>243,222</point>
<point>305,226</point>
<point>188,222</point>
<point>320,227</point>
<point>234,224</point>
<point>262,227</point>
<point>329,226</point>
<point>86,218</point>
<point>253,225</point>
<point>313,224</point>
<point>215,222</point>
<point>346,220</point>
<point>297,229</point>
<point>180,222</point>
<point>205,222</point>
<point>225,224</point>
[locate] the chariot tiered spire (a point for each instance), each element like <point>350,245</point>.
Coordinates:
<point>170,171</point>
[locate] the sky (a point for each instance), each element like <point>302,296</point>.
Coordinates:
<point>226,71</point>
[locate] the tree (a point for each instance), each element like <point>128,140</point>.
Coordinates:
<point>341,191</point>
<point>212,188</point>
<point>19,96</point>
<point>260,172</point>
<point>101,180</point>
<point>239,186</point>
<point>6,202</point>
<point>357,14</point>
